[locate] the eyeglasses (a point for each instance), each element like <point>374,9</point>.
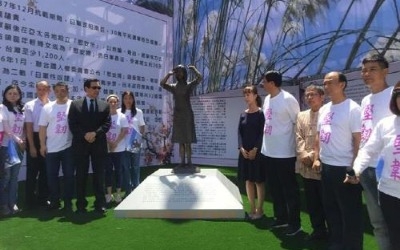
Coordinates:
<point>311,95</point>
<point>95,87</point>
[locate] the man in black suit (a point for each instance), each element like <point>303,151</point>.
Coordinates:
<point>89,120</point>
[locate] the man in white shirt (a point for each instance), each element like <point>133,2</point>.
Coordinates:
<point>55,145</point>
<point>374,107</point>
<point>279,153</point>
<point>36,189</point>
<point>384,143</point>
<point>337,143</point>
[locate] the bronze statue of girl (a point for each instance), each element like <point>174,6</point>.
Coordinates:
<point>183,131</point>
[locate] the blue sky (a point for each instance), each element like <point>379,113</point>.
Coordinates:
<point>328,20</point>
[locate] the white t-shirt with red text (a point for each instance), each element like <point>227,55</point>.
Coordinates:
<point>118,122</point>
<point>384,141</point>
<point>374,107</point>
<point>12,123</point>
<point>336,125</point>
<point>280,114</point>
<point>134,123</point>
<point>55,117</point>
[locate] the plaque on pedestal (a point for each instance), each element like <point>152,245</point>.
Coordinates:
<point>205,195</point>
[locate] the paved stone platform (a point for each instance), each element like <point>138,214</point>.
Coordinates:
<point>205,195</point>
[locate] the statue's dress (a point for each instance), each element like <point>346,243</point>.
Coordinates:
<point>183,130</point>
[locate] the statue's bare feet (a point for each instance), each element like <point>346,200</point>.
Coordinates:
<point>186,169</point>
<point>179,168</point>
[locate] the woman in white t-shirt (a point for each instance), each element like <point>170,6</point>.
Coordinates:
<point>13,122</point>
<point>385,141</point>
<point>136,123</point>
<point>116,149</point>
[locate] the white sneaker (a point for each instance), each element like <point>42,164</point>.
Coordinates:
<point>15,209</point>
<point>118,198</point>
<point>109,198</point>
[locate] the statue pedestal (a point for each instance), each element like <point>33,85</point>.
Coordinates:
<point>187,169</point>
<point>205,195</point>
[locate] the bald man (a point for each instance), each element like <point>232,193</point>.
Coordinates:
<point>337,143</point>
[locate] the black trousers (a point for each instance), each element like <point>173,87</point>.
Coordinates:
<point>313,195</point>
<point>36,189</point>
<point>84,154</point>
<point>390,208</point>
<point>343,209</point>
<point>284,189</point>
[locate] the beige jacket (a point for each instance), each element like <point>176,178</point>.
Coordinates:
<point>306,130</point>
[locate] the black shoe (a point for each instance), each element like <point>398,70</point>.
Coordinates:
<point>67,209</point>
<point>292,230</point>
<point>44,203</point>
<point>279,224</point>
<point>81,211</point>
<point>53,206</point>
<point>317,236</point>
<point>30,207</point>
<point>100,210</point>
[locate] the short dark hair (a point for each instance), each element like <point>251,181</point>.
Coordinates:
<point>61,84</point>
<point>393,103</point>
<point>87,82</point>
<point>378,58</point>
<point>342,78</point>
<point>274,76</point>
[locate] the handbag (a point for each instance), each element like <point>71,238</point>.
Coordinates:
<point>12,154</point>
<point>135,141</point>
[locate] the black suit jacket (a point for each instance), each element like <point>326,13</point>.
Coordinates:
<point>81,121</point>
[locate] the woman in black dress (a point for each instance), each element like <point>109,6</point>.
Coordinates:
<point>250,134</point>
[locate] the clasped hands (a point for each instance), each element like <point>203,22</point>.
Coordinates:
<point>190,66</point>
<point>249,155</point>
<point>90,137</point>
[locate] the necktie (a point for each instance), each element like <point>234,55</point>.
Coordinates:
<point>91,107</point>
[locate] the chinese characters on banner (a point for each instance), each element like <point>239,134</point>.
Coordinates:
<point>124,46</point>
<point>211,122</point>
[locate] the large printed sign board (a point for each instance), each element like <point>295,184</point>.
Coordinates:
<point>124,46</point>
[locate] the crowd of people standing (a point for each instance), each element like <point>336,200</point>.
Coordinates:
<point>340,149</point>
<point>71,135</point>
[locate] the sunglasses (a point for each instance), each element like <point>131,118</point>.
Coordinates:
<point>95,87</point>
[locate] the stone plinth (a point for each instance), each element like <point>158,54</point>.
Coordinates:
<point>205,195</point>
